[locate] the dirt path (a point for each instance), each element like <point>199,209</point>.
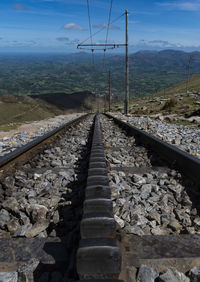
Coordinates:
<point>34,126</point>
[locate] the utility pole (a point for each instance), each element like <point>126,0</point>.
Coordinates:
<point>113,46</point>
<point>109,78</point>
<point>126,106</point>
<point>188,75</point>
<point>105,97</point>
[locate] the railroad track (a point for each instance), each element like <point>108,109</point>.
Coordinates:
<point>42,213</point>
<point>62,195</point>
<point>155,192</point>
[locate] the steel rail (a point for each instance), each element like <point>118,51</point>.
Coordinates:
<point>186,163</point>
<point>20,155</point>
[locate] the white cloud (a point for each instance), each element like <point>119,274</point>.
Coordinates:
<point>157,44</point>
<point>163,45</point>
<point>182,5</point>
<point>72,26</point>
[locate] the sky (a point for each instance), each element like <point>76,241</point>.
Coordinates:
<point>59,25</point>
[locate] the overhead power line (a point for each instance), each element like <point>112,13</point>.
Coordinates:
<point>108,26</point>
<point>98,31</point>
<point>90,27</point>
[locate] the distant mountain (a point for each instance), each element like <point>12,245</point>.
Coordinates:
<point>150,71</point>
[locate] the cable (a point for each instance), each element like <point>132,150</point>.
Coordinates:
<point>90,27</point>
<point>108,26</point>
<point>102,29</point>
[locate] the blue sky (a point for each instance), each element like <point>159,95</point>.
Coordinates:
<point>57,25</point>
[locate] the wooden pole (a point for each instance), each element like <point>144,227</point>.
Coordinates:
<point>109,78</point>
<point>188,75</point>
<point>105,96</point>
<point>126,106</point>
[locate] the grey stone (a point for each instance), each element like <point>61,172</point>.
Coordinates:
<point>9,182</point>
<point>37,176</point>
<point>146,188</point>
<point>159,231</point>
<point>11,204</point>
<point>172,275</point>
<point>197,220</point>
<point>38,212</point>
<point>138,179</point>
<point>22,230</point>
<point>13,225</point>
<point>134,230</point>
<point>175,225</point>
<point>153,215</point>
<point>131,273</point>
<point>119,221</point>
<point>31,194</point>
<point>4,234</point>
<point>56,163</point>
<point>36,229</point>
<point>147,274</point>
<point>26,271</point>
<point>194,274</point>
<point>8,277</point>
<point>4,217</point>
<point>149,177</point>
<point>56,217</point>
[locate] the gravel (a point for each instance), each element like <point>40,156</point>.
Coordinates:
<point>154,201</point>
<point>21,137</point>
<point>34,198</point>
<point>148,274</point>
<point>183,137</point>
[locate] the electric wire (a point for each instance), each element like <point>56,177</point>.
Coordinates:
<point>108,26</point>
<point>92,35</point>
<point>98,31</point>
<point>90,27</point>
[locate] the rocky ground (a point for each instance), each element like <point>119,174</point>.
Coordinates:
<point>183,137</point>
<point>152,201</point>
<point>44,196</point>
<point>11,140</point>
<point>148,274</point>
<point>156,202</point>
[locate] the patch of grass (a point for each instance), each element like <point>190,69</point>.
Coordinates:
<point>9,127</point>
<point>183,122</point>
<point>21,109</point>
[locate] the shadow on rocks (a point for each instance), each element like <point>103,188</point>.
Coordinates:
<point>65,235</point>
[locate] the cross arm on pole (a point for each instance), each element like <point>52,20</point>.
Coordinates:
<point>100,45</point>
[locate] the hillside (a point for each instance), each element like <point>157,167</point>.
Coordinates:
<point>42,74</point>
<point>174,101</point>
<point>193,86</point>
<point>75,101</point>
<point>15,110</point>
